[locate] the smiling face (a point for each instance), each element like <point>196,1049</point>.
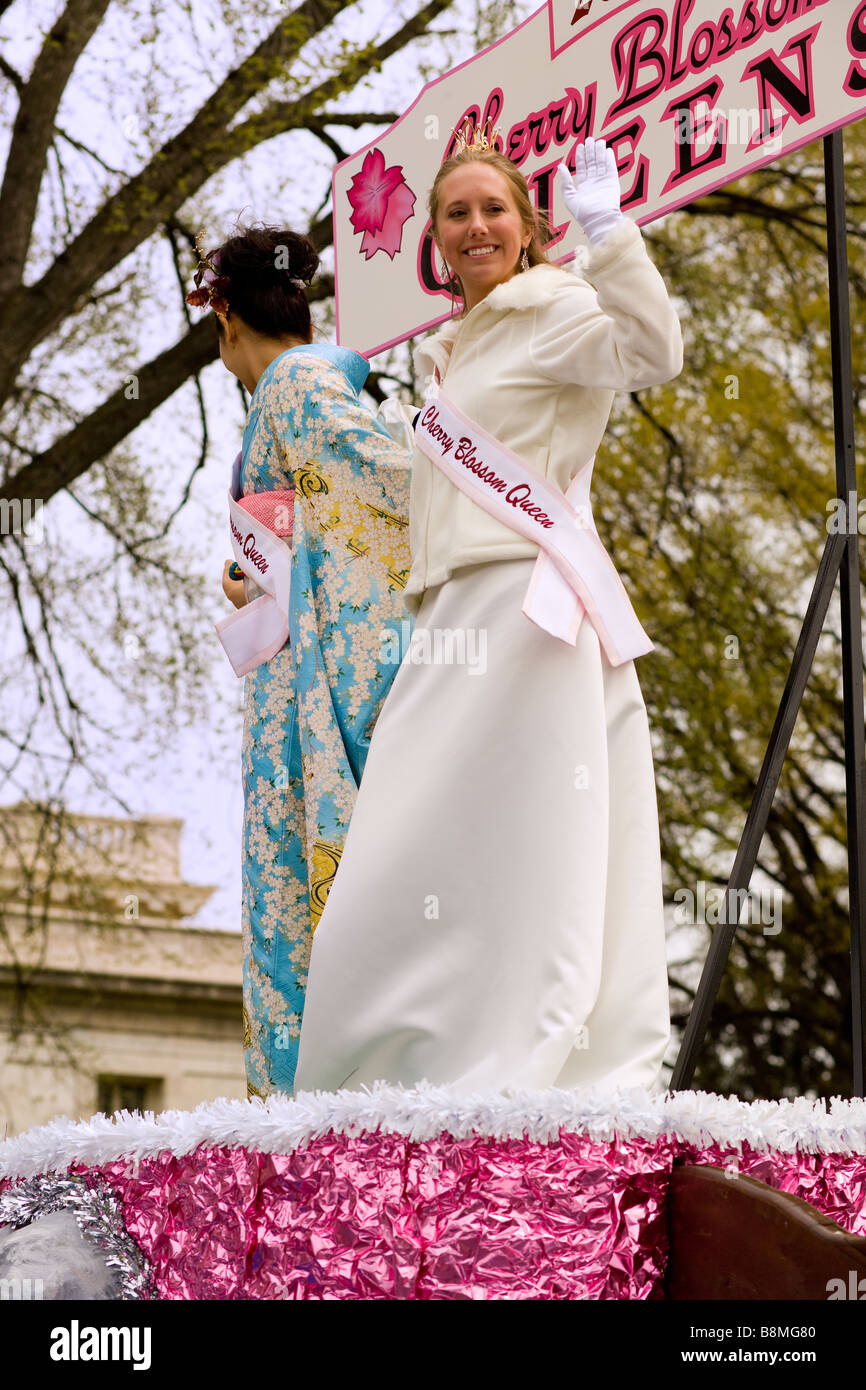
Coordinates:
<point>477,212</point>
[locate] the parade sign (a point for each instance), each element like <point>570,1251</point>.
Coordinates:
<point>689,94</point>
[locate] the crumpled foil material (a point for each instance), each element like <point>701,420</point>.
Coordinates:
<point>381,1216</point>
<point>98,1214</point>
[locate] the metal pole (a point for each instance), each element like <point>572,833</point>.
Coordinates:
<point>849,578</point>
<point>759,811</point>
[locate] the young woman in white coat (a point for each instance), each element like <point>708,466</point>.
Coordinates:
<point>497,917</point>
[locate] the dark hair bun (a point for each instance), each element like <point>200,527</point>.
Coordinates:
<point>301,254</point>
<point>261,263</point>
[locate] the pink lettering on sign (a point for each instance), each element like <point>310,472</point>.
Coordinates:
<point>795,92</point>
<point>695,116</point>
<point>562,119</point>
<point>855,79</point>
<point>647,57</point>
<point>625,160</point>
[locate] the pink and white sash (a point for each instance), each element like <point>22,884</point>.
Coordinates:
<point>259,630</point>
<point>574,573</point>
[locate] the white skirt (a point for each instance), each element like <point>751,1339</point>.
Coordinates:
<point>496,919</point>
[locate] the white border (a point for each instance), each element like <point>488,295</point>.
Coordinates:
<point>281,1123</point>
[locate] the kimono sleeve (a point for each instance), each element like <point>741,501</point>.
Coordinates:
<point>622,335</point>
<point>318,415</point>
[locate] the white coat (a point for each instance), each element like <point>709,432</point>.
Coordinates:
<point>496,919</point>
<point>536,363</point>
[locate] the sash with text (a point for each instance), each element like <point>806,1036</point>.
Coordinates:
<point>574,573</point>
<point>260,629</point>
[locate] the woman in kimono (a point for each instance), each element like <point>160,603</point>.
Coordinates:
<point>497,920</point>
<point>311,707</point>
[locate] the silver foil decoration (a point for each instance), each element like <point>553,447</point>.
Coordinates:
<point>99,1218</point>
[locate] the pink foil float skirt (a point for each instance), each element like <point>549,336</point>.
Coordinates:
<point>389,1193</point>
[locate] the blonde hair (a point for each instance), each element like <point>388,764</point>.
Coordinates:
<point>529,215</point>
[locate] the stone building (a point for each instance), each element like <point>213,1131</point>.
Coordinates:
<point>107,1000</point>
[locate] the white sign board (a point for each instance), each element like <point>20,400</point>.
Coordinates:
<point>689,94</point>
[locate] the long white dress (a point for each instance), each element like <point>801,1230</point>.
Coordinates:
<point>497,917</point>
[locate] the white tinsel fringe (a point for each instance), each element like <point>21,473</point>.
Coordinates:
<point>281,1124</point>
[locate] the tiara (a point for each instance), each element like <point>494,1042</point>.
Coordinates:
<point>479,141</point>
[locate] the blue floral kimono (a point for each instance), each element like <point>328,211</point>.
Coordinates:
<point>310,710</point>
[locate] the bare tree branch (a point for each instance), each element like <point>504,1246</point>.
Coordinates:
<point>33,132</point>
<point>8,71</point>
<point>74,452</point>
<point>96,435</point>
<point>145,201</point>
<point>181,167</point>
<point>318,129</point>
<point>85,149</point>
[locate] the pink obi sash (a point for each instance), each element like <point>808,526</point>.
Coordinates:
<point>574,573</point>
<point>259,523</point>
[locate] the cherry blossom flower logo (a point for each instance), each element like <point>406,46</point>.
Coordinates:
<point>381,202</point>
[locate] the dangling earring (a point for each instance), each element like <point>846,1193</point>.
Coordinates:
<point>446,276</point>
<point>524,260</point>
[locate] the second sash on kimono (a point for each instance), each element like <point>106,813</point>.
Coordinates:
<point>257,631</point>
<point>574,573</point>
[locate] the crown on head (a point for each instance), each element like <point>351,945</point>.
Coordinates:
<point>479,141</point>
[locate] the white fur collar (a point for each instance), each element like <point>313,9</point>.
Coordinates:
<point>526,290</point>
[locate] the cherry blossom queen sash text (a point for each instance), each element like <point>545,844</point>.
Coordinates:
<point>260,629</point>
<point>574,573</point>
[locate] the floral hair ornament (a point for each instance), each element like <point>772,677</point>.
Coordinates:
<point>211,287</point>
<point>478,141</point>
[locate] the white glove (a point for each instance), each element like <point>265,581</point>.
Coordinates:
<point>593,200</point>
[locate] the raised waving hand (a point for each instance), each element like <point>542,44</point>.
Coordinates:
<point>593,196</point>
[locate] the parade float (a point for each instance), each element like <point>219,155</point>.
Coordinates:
<point>423,1193</point>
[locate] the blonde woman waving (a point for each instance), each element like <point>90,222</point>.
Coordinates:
<point>497,919</point>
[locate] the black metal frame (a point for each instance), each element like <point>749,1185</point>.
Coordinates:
<point>840,557</point>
